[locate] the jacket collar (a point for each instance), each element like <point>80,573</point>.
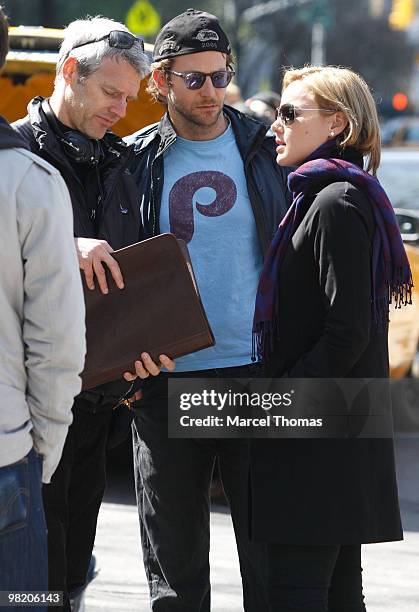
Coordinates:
<point>166,132</point>
<point>113,146</point>
<point>247,131</point>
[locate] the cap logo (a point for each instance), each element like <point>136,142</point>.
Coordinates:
<point>169,46</point>
<point>205,35</point>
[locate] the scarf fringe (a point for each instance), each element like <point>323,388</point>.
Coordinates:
<point>263,337</point>
<point>401,286</point>
<point>399,293</point>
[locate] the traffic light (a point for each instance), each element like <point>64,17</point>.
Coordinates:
<point>402,14</point>
<point>400,101</point>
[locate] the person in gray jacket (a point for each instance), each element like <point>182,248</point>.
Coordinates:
<point>42,348</point>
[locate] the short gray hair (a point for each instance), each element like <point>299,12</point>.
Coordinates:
<point>89,57</point>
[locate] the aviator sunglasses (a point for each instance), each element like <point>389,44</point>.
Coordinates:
<point>118,39</point>
<point>288,112</point>
<point>195,80</point>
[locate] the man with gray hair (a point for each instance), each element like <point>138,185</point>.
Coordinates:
<point>42,348</point>
<point>99,70</point>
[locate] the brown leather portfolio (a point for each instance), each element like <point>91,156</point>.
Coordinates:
<point>158,311</point>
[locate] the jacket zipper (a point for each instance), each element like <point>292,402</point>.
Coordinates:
<point>152,194</point>
<point>152,202</point>
<point>255,200</point>
<point>123,167</point>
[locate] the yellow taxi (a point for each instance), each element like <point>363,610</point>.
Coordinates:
<point>30,71</point>
<point>399,175</point>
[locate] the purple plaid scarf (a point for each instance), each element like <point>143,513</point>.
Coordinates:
<point>390,270</point>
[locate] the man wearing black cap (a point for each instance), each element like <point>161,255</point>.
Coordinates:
<point>207,174</point>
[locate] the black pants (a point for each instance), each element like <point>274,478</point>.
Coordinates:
<point>173,478</point>
<point>315,578</point>
<point>72,499</point>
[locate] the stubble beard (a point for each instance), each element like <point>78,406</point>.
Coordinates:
<point>196,123</point>
<point>78,107</point>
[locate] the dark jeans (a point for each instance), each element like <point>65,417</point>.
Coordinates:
<point>73,498</point>
<point>315,578</point>
<point>23,536</point>
<point>173,478</point>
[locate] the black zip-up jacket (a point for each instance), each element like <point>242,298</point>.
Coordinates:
<point>118,218</point>
<point>266,181</point>
<point>118,213</point>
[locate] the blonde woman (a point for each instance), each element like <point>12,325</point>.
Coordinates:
<point>322,312</point>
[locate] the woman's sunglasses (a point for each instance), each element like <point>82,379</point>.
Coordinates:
<point>118,39</point>
<point>288,113</point>
<point>195,80</point>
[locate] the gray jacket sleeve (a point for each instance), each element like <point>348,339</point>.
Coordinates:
<point>53,322</point>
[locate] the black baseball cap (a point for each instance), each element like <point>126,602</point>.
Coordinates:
<point>191,32</point>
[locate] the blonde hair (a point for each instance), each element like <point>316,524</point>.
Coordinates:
<point>152,88</point>
<point>341,89</point>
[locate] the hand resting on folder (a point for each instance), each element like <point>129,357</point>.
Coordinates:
<point>92,254</point>
<point>159,312</point>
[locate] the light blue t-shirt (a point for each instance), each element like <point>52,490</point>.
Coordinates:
<point>205,201</point>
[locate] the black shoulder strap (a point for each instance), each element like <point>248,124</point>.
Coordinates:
<point>51,118</point>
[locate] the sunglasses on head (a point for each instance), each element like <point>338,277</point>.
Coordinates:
<point>118,39</point>
<point>288,113</point>
<point>195,80</point>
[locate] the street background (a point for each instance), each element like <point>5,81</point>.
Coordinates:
<point>378,38</point>
<point>391,571</point>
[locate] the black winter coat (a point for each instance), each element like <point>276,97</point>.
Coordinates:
<point>334,491</point>
<point>118,210</point>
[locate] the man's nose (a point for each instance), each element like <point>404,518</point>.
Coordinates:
<point>208,88</point>
<point>119,107</point>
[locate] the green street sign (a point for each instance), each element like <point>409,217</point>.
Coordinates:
<point>317,11</point>
<point>142,18</point>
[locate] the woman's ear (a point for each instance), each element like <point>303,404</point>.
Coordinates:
<point>160,79</point>
<point>339,123</point>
